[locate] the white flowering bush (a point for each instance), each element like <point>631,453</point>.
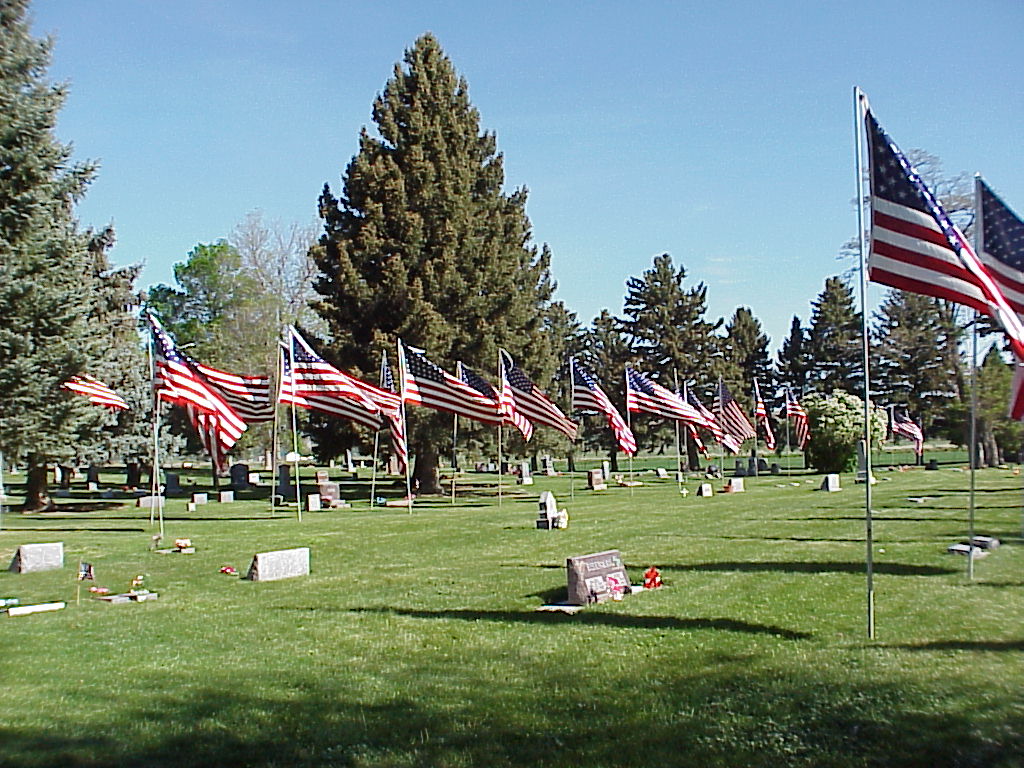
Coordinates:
<point>837,422</point>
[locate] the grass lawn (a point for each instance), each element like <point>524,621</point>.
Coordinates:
<point>415,640</point>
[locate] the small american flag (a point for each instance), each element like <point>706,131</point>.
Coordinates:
<point>430,386</point>
<point>903,425</point>
<point>530,401</point>
<point>97,392</point>
<point>587,396</point>
<point>710,422</point>
<point>761,416</point>
<point>309,381</point>
<point>731,416</point>
<point>796,414</point>
<point>916,247</point>
<point>646,396</point>
<point>481,385</point>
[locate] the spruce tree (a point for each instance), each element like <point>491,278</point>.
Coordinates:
<point>745,357</point>
<point>423,245</point>
<point>793,362</point>
<point>46,333</point>
<point>835,341</point>
<point>605,353</point>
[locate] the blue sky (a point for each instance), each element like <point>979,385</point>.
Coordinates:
<point>721,133</point>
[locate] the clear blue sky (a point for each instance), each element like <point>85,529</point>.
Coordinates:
<point>720,132</point>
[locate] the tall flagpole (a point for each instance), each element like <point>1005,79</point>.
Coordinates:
<point>721,422</point>
<point>405,424</point>
<point>860,102</point>
<point>154,482</point>
<point>275,447</point>
<point>629,423</point>
<point>679,453</point>
<point>501,383</point>
<point>455,433</point>
<point>376,440</point>
<point>789,446</point>
<point>295,427</point>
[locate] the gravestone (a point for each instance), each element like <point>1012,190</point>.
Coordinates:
<point>172,484</point>
<point>662,473</point>
<point>525,478</point>
<point>254,478</point>
<point>548,466</point>
<point>64,474</point>
<point>776,469</point>
<point>29,558</point>
<point>751,467</point>
<point>606,469</point>
<point>280,564</point>
<point>313,502</point>
<point>349,466</point>
<point>239,474</point>
<point>133,475</point>
<point>713,470</point>
<point>740,470</point>
<point>985,542</point>
<point>735,485</point>
<point>329,491</point>
<point>200,498</point>
<point>830,484</point>
<point>226,497</point>
<point>548,516</point>
<point>762,465</point>
<point>92,475</point>
<point>547,504</point>
<point>190,506</point>
<point>705,489</point>
<point>933,464</point>
<point>322,476</point>
<point>596,578</point>
<point>595,480</point>
<point>284,481</point>
<point>149,502</point>
<point>862,464</point>
<point>393,466</point>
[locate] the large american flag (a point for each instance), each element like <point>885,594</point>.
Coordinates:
<point>916,247</point>
<point>796,414</point>
<point>309,381</point>
<point>588,396</point>
<point>97,392</point>
<point>529,400</point>
<point>430,386</point>
<point>248,395</point>
<point>646,396</point>
<point>1002,251</point>
<point>710,422</point>
<point>761,416</point>
<point>504,399</point>
<point>731,416</point>
<point>395,419</point>
<point>902,425</point>
<point>179,381</point>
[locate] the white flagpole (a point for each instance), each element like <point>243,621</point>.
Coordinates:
<point>154,482</point>
<point>376,441</point>
<point>789,446</point>
<point>455,432</point>
<point>572,446</point>
<point>405,424</point>
<point>2,490</point>
<point>295,428</point>
<point>860,104</point>
<point>629,423</point>
<point>679,453</point>
<point>501,383</point>
<point>275,447</point>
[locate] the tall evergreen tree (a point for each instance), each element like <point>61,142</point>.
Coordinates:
<point>423,245</point>
<point>745,357</point>
<point>46,332</point>
<point>793,362</point>
<point>835,341</point>
<point>605,353</point>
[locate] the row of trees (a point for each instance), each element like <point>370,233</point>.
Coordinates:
<point>423,243</point>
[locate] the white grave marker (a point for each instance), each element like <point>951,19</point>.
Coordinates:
<point>281,564</point>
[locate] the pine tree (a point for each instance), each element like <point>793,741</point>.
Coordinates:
<point>423,245</point>
<point>793,362</point>
<point>46,335</point>
<point>745,357</point>
<point>835,341</point>
<point>605,353</point>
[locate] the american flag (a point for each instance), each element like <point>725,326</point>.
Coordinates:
<point>731,416</point>
<point>395,420</point>
<point>903,425</point>
<point>646,396</point>
<point>589,397</point>
<point>529,400</point>
<point>796,414</point>
<point>309,381</point>
<point>1002,251</point>
<point>916,247</point>
<point>697,441</point>
<point>97,392</point>
<point>179,381</point>
<point>504,399</point>
<point>430,386</point>
<point>710,422</point>
<point>248,395</point>
<point>761,416</point>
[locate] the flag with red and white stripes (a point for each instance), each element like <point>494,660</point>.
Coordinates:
<point>97,392</point>
<point>731,416</point>
<point>530,401</point>
<point>710,422</point>
<point>430,386</point>
<point>916,247</point>
<point>504,399</point>
<point>646,396</point>
<point>796,414</point>
<point>903,425</point>
<point>396,419</point>
<point>588,396</point>
<point>761,416</point>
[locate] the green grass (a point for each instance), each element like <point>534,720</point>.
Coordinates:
<point>415,640</point>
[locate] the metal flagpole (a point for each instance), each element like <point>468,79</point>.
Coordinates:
<point>860,104</point>
<point>679,453</point>
<point>789,446</point>
<point>154,485</point>
<point>501,383</point>
<point>455,433</point>
<point>275,447</point>
<point>295,427</point>
<point>405,425</point>
<point>974,446</point>
<point>721,423</point>
<point>629,423</point>
<point>3,492</point>
<point>376,441</point>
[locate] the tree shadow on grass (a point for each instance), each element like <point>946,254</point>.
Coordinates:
<point>791,566</point>
<point>618,620</point>
<point>78,529</point>
<point>961,645</point>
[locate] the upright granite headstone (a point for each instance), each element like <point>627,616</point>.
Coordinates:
<point>239,474</point>
<point>735,485</point>
<point>281,564</point>
<point>172,484</point>
<point>92,474</point>
<point>329,492</point>
<point>226,497</point>
<point>200,498</point>
<point>606,469</point>
<point>776,469</point>
<point>322,476</point>
<point>740,470</point>
<point>149,502</point>
<point>525,478</point>
<point>313,502</point>
<point>547,504</point>
<point>705,489</point>
<point>595,480</point>
<point>133,475</point>
<point>762,465</point>
<point>751,467</point>
<point>595,578</point>
<point>830,483</point>
<point>862,464</point>
<point>548,466</point>
<point>38,557</point>
<point>349,465</point>
<point>64,475</point>
<point>284,481</point>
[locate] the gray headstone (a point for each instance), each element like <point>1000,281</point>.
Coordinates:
<point>592,578</point>
<point>606,469</point>
<point>64,475</point>
<point>38,557</point>
<point>254,478</point>
<point>548,506</point>
<point>735,485</point>
<point>239,474</point>
<point>281,564</point>
<point>284,481</point>
<point>862,464</point>
<point>200,498</point>
<point>329,491</point>
<point>740,471</point>
<point>705,489</point>
<point>662,473</point>
<point>149,502</point>
<point>525,478</point>
<point>172,484</point>
<point>595,480</point>
<point>762,465</point>
<point>751,467</point>
<point>322,476</point>
<point>349,466</point>
<point>92,474</point>
<point>313,502</point>
<point>133,475</point>
<point>226,497</point>
<point>933,464</point>
<point>830,483</point>
<point>776,469</point>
